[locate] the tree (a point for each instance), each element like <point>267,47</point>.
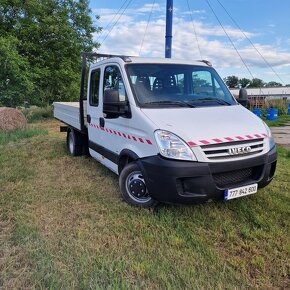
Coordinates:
<point>244,82</point>
<point>51,35</point>
<point>15,77</point>
<point>232,81</point>
<point>273,84</point>
<point>257,83</point>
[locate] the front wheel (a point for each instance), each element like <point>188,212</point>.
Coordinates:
<point>133,187</point>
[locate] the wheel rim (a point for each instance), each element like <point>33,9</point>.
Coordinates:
<point>71,143</point>
<point>136,187</point>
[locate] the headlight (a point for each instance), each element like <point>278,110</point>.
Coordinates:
<point>270,139</point>
<point>271,142</point>
<point>171,146</point>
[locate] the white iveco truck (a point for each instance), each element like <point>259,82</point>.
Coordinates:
<point>170,129</point>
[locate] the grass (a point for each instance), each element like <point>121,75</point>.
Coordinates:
<point>64,226</point>
<point>281,121</point>
<point>21,134</point>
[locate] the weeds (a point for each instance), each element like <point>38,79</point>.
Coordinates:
<point>21,134</point>
<point>34,113</point>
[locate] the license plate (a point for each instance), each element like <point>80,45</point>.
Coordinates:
<point>240,191</point>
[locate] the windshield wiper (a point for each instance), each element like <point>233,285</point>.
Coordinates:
<point>219,101</point>
<point>179,103</point>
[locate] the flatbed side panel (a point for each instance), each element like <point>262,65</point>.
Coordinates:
<point>68,112</point>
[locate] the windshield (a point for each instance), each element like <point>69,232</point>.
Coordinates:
<point>156,85</point>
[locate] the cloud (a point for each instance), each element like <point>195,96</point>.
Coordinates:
<point>126,38</point>
<point>148,8</point>
<point>194,12</point>
<point>128,14</point>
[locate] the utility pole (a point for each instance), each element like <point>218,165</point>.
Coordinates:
<point>168,35</point>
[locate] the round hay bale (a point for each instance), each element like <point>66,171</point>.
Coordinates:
<point>11,119</point>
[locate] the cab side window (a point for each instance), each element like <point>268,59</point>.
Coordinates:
<point>113,80</point>
<point>94,87</point>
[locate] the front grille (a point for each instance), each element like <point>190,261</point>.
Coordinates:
<point>226,179</point>
<point>221,151</point>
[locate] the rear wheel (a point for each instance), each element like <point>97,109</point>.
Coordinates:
<point>133,187</point>
<point>74,143</point>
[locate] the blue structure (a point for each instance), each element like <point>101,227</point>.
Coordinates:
<point>168,35</point>
<point>257,112</point>
<point>272,114</point>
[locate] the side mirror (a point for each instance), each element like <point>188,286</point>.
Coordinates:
<point>113,107</point>
<point>243,98</point>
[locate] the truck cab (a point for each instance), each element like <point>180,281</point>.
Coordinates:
<point>170,129</point>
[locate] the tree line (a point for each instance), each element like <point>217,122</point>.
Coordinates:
<point>235,82</point>
<point>40,46</point>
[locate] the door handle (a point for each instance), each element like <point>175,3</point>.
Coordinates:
<point>102,122</point>
<point>89,119</point>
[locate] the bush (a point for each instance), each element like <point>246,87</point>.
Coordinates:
<point>280,104</point>
<point>264,104</point>
<point>34,113</point>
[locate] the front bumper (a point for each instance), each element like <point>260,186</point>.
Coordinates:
<point>177,181</point>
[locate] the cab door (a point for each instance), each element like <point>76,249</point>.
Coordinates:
<point>94,112</point>
<point>114,131</point>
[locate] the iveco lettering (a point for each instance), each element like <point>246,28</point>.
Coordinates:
<point>170,129</point>
<point>240,150</point>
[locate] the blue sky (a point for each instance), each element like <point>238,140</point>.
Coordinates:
<point>266,23</point>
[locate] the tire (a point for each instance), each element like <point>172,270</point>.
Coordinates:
<point>133,188</point>
<point>74,143</point>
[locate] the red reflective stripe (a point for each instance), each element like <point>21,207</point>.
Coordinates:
<point>121,134</point>
<point>190,143</point>
<point>249,136</point>
<point>229,138</point>
<point>265,135</point>
<point>257,135</point>
<point>204,142</point>
<point>240,138</point>
<point>217,140</point>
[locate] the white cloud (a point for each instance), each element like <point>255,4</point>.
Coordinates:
<point>194,12</point>
<point>148,8</point>
<point>127,36</point>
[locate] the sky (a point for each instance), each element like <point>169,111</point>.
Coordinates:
<point>259,29</point>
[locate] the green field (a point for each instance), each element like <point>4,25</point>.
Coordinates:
<point>63,226</point>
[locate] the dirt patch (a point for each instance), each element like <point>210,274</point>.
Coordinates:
<point>282,135</point>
